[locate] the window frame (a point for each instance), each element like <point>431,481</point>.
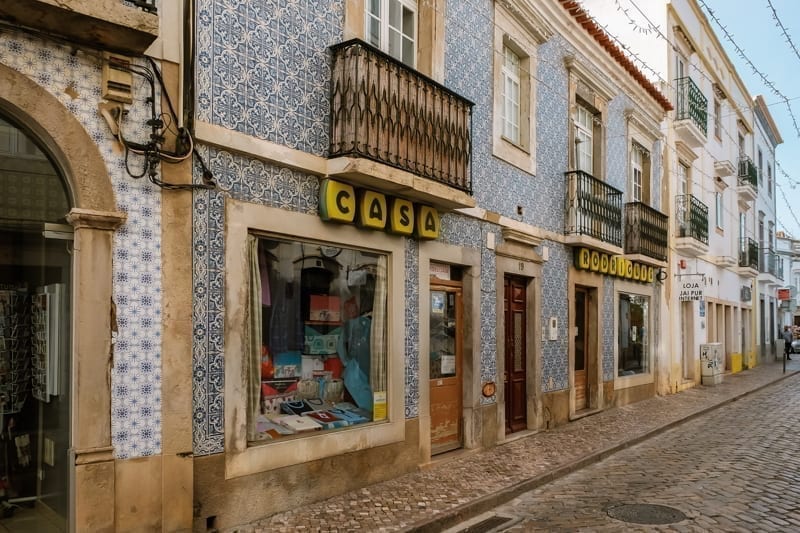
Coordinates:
<point>243,219</point>
<point>386,28</point>
<point>717,119</point>
<point>719,208</point>
<point>634,380</point>
<point>511,79</point>
<point>523,41</point>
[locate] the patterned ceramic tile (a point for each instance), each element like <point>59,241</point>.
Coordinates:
<point>74,79</point>
<point>263,69</point>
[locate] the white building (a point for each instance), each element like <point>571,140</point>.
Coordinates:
<point>770,268</point>
<point>712,176</point>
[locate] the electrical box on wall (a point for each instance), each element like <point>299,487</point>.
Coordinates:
<point>117,80</point>
<point>552,328</point>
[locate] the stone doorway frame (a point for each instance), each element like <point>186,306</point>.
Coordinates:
<point>94,217</point>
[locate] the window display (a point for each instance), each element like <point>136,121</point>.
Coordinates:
<point>317,338</point>
<point>634,353</point>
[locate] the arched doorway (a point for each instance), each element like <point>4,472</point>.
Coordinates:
<point>35,324</point>
<point>84,181</point>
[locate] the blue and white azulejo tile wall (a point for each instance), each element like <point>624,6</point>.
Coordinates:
<point>74,79</point>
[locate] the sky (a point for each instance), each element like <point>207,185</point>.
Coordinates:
<point>754,29</point>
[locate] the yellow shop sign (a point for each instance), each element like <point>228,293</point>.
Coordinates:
<point>612,265</point>
<point>340,202</point>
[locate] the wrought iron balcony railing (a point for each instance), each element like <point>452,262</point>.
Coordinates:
<point>692,217</point>
<point>771,263</point>
<point>691,103</point>
<point>748,253</point>
<point>593,207</point>
<point>748,175</point>
<point>646,231</point>
<point>387,112</point>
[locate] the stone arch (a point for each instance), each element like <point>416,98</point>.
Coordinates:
<point>75,152</point>
<point>94,217</point>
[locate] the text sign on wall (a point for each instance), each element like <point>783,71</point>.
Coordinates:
<point>784,294</point>
<point>340,202</point>
<point>612,265</point>
<point>690,291</point>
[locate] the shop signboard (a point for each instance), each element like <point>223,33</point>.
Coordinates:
<point>691,291</point>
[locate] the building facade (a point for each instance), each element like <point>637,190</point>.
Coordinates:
<point>770,278</point>
<point>714,137</point>
<point>279,251</point>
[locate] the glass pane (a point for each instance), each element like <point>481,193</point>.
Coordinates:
<point>35,323</point>
<point>408,52</point>
<point>374,8</point>
<point>633,339</point>
<point>395,43</point>
<point>323,353</point>
<point>409,23</point>
<point>395,14</point>
<point>374,32</point>
<point>442,335</point>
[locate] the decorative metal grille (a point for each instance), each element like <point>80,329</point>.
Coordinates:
<point>646,231</point>
<point>691,103</point>
<point>748,253</point>
<point>383,110</point>
<point>594,208</point>
<point>748,175</point>
<point>692,217</point>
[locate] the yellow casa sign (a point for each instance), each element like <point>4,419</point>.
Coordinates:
<point>612,265</point>
<point>340,202</point>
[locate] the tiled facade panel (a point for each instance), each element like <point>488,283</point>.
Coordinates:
<point>74,79</point>
<point>263,68</point>
<point>555,354</point>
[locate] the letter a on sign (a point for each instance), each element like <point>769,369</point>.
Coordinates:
<point>401,216</point>
<point>337,201</point>
<point>427,222</point>
<point>372,212</point>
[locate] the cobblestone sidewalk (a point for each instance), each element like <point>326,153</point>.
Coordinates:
<point>452,491</point>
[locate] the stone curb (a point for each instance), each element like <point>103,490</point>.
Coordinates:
<point>464,512</point>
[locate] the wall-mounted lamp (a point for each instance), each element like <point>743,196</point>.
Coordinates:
<point>661,275</point>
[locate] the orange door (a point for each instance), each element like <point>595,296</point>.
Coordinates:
<point>514,377</point>
<point>581,348</point>
<point>445,368</point>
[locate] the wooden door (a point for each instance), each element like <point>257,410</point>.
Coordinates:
<point>581,347</point>
<point>514,377</point>
<point>446,341</point>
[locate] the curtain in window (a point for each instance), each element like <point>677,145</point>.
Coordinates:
<point>252,347</point>
<point>378,363</point>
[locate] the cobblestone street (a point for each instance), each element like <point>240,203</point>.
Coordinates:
<point>733,469</point>
<point>723,466</point>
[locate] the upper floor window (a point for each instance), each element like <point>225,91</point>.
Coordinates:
<point>513,71</point>
<point>717,119</point>
<point>769,180</point>
<point>511,95</point>
<point>640,173</point>
<point>683,178</point>
<point>720,207</point>
<point>391,25</point>
<point>584,139</point>
<point>760,165</point>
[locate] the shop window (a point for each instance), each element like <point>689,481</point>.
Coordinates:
<point>633,339</point>
<point>318,348</point>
